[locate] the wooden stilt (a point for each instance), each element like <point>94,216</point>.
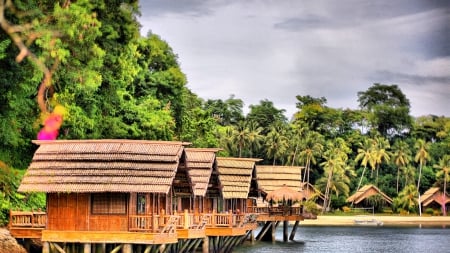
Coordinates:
<point>273,229</point>
<point>148,249</point>
<point>205,246</point>
<point>162,248</point>
<point>264,230</point>
<point>294,230</point>
<point>45,247</point>
<point>87,248</point>
<point>126,248</point>
<point>285,230</point>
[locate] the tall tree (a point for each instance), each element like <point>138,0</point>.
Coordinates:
<point>266,115</point>
<point>422,156</point>
<point>389,106</point>
<point>311,147</point>
<point>381,153</point>
<point>335,165</point>
<point>401,156</point>
<point>366,156</point>
<point>276,143</point>
<point>228,112</point>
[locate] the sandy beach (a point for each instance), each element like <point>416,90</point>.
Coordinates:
<point>328,220</point>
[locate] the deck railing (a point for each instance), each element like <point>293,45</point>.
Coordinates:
<point>277,210</point>
<point>144,223</point>
<point>31,219</point>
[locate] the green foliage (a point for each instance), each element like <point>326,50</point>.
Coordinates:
<point>389,108</point>
<point>11,199</point>
<point>228,112</point>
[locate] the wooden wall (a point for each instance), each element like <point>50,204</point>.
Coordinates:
<point>71,212</point>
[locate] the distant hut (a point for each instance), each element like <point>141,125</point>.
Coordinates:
<point>202,170</point>
<point>360,198</point>
<point>105,185</point>
<point>237,177</point>
<point>434,198</point>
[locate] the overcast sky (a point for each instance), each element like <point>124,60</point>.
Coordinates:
<point>277,49</point>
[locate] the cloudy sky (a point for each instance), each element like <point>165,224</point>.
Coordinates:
<point>277,49</point>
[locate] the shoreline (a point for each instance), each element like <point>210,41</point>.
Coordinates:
<point>388,220</point>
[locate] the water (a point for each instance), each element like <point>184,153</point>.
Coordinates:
<point>357,239</point>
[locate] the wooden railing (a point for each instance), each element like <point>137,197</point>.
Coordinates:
<point>278,210</point>
<point>145,223</point>
<point>27,219</point>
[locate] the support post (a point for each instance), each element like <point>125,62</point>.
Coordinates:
<point>87,248</point>
<point>285,230</point>
<point>294,230</point>
<point>127,248</point>
<point>45,247</point>
<point>205,246</point>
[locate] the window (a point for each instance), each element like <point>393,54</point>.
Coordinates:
<point>109,203</point>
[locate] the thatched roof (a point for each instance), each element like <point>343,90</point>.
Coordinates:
<point>284,193</point>
<point>102,166</point>
<point>235,175</point>
<point>200,162</point>
<point>433,194</point>
<point>273,177</point>
<point>367,191</point>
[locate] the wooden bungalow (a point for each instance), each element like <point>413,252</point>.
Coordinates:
<point>359,198</point>
<point>202,170</point>
<point>113,194</point>
<point>237,177</point>
<point>434,198</point>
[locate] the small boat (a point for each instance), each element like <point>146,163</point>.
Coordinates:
<point>367,221</point>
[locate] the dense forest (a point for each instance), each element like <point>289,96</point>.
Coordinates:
<point>89,58</point>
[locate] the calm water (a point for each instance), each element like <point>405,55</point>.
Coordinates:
<point>357,239</point>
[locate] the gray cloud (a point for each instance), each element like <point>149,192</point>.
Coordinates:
<point>276,50</point>
<point>393,77</point>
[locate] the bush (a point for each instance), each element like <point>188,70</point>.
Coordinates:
<point>429,211</point>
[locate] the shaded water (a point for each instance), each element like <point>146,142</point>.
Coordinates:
<point>357,239</point>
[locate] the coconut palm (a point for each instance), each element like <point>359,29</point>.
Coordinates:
<point>254,137</point>
<point>381,153</point>
<point>422,156</point>
<point>444,169</point>
<point>311,148</point>
<point>401,156</point>
<point>407,198</point>
<point>409,174</point>
<point>365,155</point>
<point>276,143</point>
<point>334,171</point>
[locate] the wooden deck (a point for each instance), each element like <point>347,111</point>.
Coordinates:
<point>27,224</point>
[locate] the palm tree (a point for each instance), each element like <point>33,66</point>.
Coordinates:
<point>276,143</point>
<point>444,169</point>
<point>381,153</point>
<point>409,174</point>
<point>254,137</point>
<point>335,165</point>
<point>246,134</point>
<point>421,156</point>
<point>365,155</point>
<point>401,156</point>
<point>311,148</point>
<point>407,198</point>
